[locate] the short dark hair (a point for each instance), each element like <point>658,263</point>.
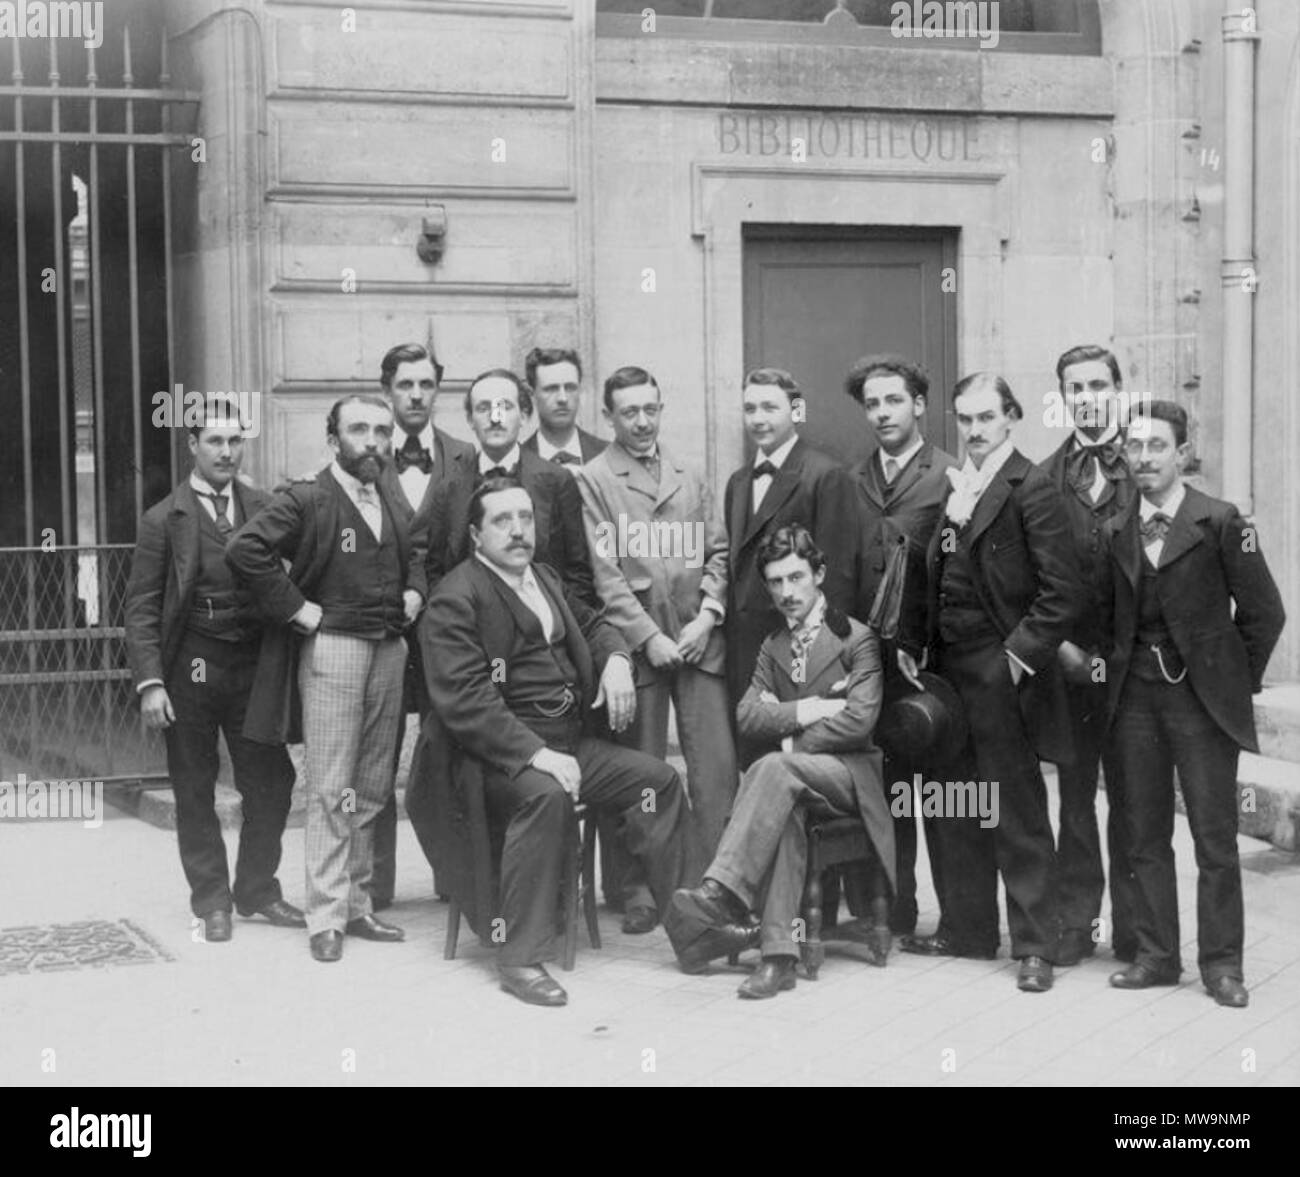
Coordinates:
<point>914,376</point>
<point>525,392</point>
<point>1175,414</point>
<point>794,540</point>
<point>490,486</point>
<point>406,353</point>
<point>627,377</point>
<point>1010,405</point>
<point>364,398</point>
<point>223,407</point>
<point>1084,353</point>
<point>778,376</point>
<point>539,357</point>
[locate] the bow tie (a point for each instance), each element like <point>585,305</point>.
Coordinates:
<point>496,472</point>
<point>413,454</point>
<point>564,458</point>
<point>1155,528</point>
<point>764,468</point>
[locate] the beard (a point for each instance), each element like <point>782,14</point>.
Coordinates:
<point>363,467</point>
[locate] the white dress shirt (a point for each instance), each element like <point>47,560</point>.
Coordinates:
<point>546,451</point>
<point>1083,441</point>
<point>414,480</point>
<point>900,460</point>
<point>969,482</point>
<point>365,496</point>
<point>1147,510</point>
<point>777,457</point>
<point>510,461</point>
<point>529,591</point>
<point>202,487</point>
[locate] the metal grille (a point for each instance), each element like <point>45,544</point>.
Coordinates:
<point>67,707</point>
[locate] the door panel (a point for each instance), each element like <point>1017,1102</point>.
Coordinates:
<point>816,299</point>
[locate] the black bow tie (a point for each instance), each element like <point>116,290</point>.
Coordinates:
<point>1081,466</point>
<point>1155,528</point>
<point>413,454</point>
<point>497,472</point>
<point>764,468</point>
<point>564,458</point>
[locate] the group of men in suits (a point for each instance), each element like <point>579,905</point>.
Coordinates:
<point>542,605</point>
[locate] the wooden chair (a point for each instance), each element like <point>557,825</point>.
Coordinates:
<point>837,841</point>
<point>578,880</point>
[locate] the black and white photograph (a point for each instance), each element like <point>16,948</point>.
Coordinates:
<point>703,543</point>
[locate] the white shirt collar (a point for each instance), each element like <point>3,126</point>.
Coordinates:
<point>996,459</point>
<point>425,435</point>
<point>778,456</point>
<point>204,487</point>
<point>349,482</point>
<point>906,456</point>
<point>547,451</point>
<point>509,461</point>
<point>1112,431</point>
<point>525,580</point>
<point>1147,509</point>
<point>816,616</point>
<point>654,452</point>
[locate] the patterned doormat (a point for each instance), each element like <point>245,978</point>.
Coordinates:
<point>46,948</point>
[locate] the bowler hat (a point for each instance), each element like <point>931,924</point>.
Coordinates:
<point>928,725</point>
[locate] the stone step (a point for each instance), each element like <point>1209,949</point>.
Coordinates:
<point>1277,719</point>
<point>1269,800</point>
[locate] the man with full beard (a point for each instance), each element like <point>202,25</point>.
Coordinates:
<point>354,585</point>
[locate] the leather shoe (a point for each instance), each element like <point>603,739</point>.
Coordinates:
<point>1035,975</point>
<point>1228,991</point>
<point>939,945</point>
<point>216,926</point>
<point>1140,976</point>
<point>327,946</point>
<point>532,984</point>
<point>279,913</point>
<point>770,978</point>
<point>710,903</point>
<point>369,928</point>
<point>715,942</point>
<point>637,921</point>
<point>1072,947</point>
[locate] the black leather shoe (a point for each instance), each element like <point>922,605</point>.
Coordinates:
<point>1140,976</point>
<point>710,903</point>
<point>939,945</point>
<point>1228,991</point>
<point>1035,975</point>
<point>770,978</point>
<point>532,984</point>
<point>715,942</point>
<point>1073,947</point>
<point>637,921</point>
<point>216,926</point>
<point>369,928</point>
<point>327,946</point>
<point>279,913</point>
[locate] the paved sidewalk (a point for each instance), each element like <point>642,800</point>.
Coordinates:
<point>259,1010</point>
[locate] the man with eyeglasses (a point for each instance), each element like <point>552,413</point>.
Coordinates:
<point>1196,616</point>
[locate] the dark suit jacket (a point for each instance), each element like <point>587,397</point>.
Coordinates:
<point>1210,563</point>
<point>1029,582</point>
<point>810,489</point>
<point>303,524</point>
<point>471,621</point>
<point>909,511</point>
<point>557,515</point>
<point>589,444</point>
<point>163,572</point>
<point>1087,526</point>
<point>447,450</point>
<point>847,653</point>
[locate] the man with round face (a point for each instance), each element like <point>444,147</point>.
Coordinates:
<point>1004,593</point>
<point>531,682</point>
<point>900,492</point>
<point>650,524</point>
<point>186,610</point>
<point>786,482</point>
<point>1089,470</point>
<point>555,376</point>
<point>812,704</point>
<point>355,583</point>
<point>1196,617</point>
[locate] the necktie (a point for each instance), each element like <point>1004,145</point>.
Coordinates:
<point>219,501</point>
<point>651,463</point>
<point>764,468</point>
<point>1154,529</point>
<point>368,505</point>
<point>413,453</point>
<point>1081,467</point>
<point>496,472</point>
<point>564,458</point>
<point>891,471</point>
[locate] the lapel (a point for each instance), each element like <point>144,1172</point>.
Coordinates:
<point>671,478</point>
<point>992,500</point>
<point>631,474</point>
<point>574,640</point>
<point>183,533</point>
<point>1183,534</point>
<point>399,515</point>
<point>589,445</point>
<point>825,650</point>
<point>741,492</point>
<point>871,480</point>
<point>911,474</point>
<point>784,484</point>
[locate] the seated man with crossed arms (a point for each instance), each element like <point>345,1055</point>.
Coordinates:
<point>816,693</point>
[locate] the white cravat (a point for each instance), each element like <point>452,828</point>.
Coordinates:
<point>969,483</point>
<point>365,497</point>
